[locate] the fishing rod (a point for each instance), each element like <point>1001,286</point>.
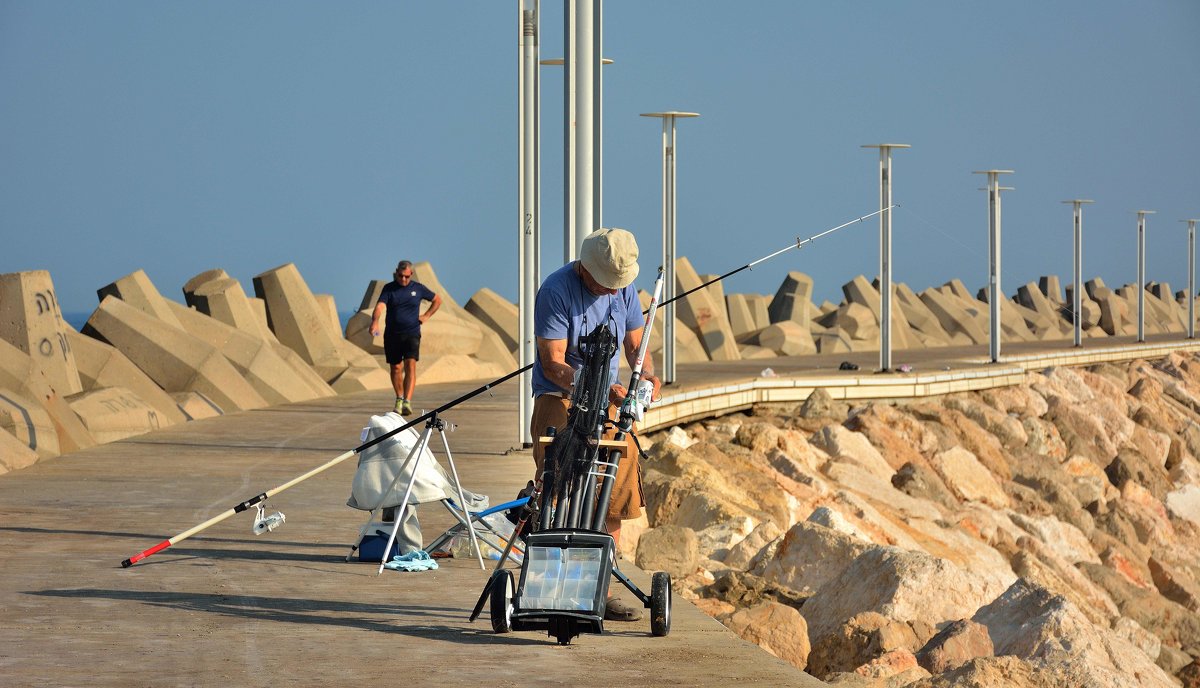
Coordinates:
<point>258,499</point>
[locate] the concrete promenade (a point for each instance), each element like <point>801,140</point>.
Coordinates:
<point>228,608</point>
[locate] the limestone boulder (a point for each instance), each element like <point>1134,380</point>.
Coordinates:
<point>706,485</point>
<point>1005,427</point>
<point>776,628</point>
<point>674,549</point>
<point>958,643</point>
<point>1047,630</point>
<point>1184,503</point>
<point>836,440</point>
<point>988,672</point>
<point>1038,563</point>
<point>954,428</point>
<point>863,645</point>
<point>746,551</point>
<point>896,584</point>
<point>967,479</point>
<point>810,556</point>
<point>920,482</point>
<point>899,437</point>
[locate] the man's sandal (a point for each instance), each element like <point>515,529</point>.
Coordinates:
<point>618,609</point>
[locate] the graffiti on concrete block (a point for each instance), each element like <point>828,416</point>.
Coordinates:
<point>46,303</point>
<point>121,403</point>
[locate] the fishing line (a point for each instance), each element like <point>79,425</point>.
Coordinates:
<point>431,416</point>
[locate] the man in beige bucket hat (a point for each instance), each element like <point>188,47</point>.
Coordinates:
<point>571,301</point>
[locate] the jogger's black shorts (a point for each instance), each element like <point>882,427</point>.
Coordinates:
<point>399,347</point>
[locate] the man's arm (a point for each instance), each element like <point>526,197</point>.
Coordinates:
<point>552,354</point>
<point>433,307</point>
<point>376,317</point>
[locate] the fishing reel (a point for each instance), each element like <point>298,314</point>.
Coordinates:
<point>264,523</point>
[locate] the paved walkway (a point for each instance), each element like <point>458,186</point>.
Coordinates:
<point>228,608</point>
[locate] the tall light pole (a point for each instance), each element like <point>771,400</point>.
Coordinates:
<point>571,239</point>
<point>995,293</point>
<point>1141,273</point>
<point>528,201</point>
<point>885,251</point>
<point>1077,283</point>
<point>1191,292</point>
<point>669,156</point>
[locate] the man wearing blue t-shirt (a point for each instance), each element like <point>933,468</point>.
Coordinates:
<point>401,300</point>
<point>597,288</point>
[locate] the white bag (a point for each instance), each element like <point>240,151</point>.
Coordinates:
<point>379,465</point>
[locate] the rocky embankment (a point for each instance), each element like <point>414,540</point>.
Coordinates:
<point>1046,534</point>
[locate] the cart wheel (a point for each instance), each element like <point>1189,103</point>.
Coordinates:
<point>502,601</point>
<point>660,604</point>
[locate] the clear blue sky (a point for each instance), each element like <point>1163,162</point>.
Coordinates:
<point>178,137</point>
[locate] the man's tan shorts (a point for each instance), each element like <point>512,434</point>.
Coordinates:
<point>627,498</point>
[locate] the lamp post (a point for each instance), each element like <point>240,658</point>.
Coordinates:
<point>1141,273</point>
<point>885,251</point>
<point>528,201</point>
<point>1077,283</point>
<point>995,294</point>
<point>669,155</point>
<point>1191,292</point>
<point>571,239</point>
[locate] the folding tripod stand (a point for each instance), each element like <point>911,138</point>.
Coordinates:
<point>414,457</point>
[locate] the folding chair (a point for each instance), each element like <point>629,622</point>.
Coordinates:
<point>493,533</point>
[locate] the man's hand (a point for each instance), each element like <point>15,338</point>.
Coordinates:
<point>617,394</point>
<point>374,330</point>
<point>657,386</point>
<point>423,318</point>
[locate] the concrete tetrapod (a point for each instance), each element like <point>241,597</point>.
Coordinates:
<point>298,321</point>
<point>101,365</point>
<point>176,360</point>
<point>18,374</point>
<point>138,291</point>
<point>253,357</point>
<point>700,312</point>
<point>31,321</point>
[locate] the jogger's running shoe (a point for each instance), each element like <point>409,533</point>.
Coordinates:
<point>400,405</point>
<point>406,408</point>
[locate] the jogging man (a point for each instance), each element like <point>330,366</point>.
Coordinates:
<point>401,300</point>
